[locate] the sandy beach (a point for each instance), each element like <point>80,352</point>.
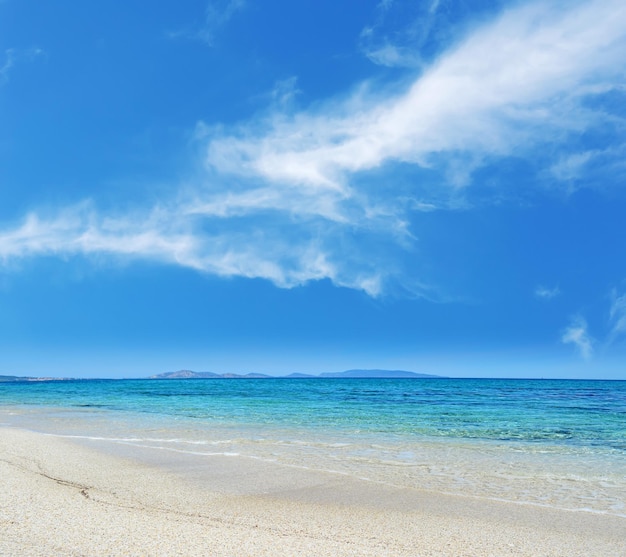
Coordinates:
<point>62,498</point>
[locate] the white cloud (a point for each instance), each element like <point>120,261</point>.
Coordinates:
<point>509,86</point>
<point>577,334</point>
<point>299,196</point>
<point>80,230</point>
<point>545,293</point>
<point>175,235</point>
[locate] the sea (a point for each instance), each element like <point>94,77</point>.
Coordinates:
<point>553,443</point>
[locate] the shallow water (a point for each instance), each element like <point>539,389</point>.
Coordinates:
<point>545,442</point>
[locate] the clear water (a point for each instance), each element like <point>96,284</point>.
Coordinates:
<point>544,442</point>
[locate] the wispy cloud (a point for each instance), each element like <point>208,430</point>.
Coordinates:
<point>284,93</point>
<point>294,196</point>
<point>80,230</point>
<point>219,13</point>
<point>180,235</point>
<point>617,316</point>
<point>570,167</point>
<point>544,293</point>
<point>216,15</point>
<point>577,334</point>
<point>590,166</point>
<point>401,31</point>
<point>9,60</point>
<point>13,55</point>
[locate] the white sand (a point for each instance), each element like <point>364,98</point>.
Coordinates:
<point>59,498</point>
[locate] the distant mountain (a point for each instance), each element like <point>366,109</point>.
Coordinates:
<point>188,374</point>
<point>378,373</point>
<point>351,373</point>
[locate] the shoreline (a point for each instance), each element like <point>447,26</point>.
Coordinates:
<point>60,497</point>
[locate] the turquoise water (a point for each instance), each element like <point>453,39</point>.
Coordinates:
<point>548,442</point>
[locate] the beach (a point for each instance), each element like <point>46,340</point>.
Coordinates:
<point>313,278</point>
<point>62,497</point>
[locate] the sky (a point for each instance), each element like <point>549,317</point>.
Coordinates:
<point>237,186</point>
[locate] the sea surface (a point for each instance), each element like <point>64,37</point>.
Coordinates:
<point>553,443</point>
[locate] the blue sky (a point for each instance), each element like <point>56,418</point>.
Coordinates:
<point>229,185</point>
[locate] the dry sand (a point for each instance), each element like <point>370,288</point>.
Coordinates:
<point>61,498</point>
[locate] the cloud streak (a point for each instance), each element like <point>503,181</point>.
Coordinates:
<point>217,14</point>
<point>544,293</point>
<point>178,236</point>
<point>298,196</point>
<point>13,55</point>
<point>402,31</point>
<point>577,334</point>
<point>9,60</point>
<point>617,316</point>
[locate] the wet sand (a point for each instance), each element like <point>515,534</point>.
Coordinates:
<point>58,497</point>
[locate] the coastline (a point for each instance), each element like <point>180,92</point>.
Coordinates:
<point>60,497</point>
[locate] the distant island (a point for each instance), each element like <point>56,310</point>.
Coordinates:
<point>351,373</point>
<point>16,378</point>
<point>188,374</point>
